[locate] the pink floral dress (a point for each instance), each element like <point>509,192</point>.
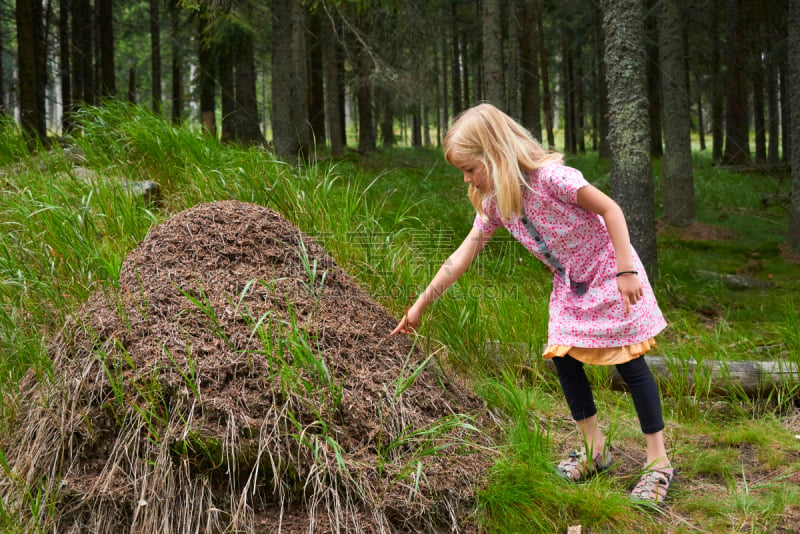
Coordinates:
<point>580,241</point>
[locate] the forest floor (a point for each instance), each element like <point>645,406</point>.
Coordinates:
<point>209,254</point>
<point>233,344</point>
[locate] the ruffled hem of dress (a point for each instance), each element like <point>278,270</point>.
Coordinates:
<point>601,355</point>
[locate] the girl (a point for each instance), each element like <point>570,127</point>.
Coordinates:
<point>602,308</point>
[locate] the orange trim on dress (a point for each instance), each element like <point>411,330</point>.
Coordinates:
<point>601,355</point>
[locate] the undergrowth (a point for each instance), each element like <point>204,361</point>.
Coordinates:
<point>391,219</point>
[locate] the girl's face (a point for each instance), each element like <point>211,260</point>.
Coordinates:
<point>474,173</point>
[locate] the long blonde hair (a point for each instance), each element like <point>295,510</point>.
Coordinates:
<point>484,133</point>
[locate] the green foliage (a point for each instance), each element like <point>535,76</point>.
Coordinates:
<point>12,143</point>
<point>390,220</point>
<point>524,493</point>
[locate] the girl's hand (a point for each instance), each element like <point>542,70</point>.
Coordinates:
<point>408,324</point>
<point>631,290</point>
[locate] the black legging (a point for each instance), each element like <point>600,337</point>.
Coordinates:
<point>636,374</point>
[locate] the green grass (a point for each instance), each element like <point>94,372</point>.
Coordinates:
<point>391,219</point>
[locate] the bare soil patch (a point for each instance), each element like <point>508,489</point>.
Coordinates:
<point>697,231</point>
<point>788,254</point>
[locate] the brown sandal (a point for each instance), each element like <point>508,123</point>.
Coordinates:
<point>653,486</point>
<point>577,468</point>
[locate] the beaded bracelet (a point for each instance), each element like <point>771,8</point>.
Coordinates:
<point>626,272</point>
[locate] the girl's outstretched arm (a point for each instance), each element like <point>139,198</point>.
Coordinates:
<point>592,199</point>
<point>448,273</point>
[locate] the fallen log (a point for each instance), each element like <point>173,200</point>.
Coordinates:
<point>748,377</point>
<point>752,378</point>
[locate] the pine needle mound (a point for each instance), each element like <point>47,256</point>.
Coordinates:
<point>239,381</point>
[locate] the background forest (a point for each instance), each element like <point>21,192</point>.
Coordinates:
<point>304,75</point>
<point>332,113</point>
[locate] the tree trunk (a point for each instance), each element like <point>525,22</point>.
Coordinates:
<point>426,127</point>
<point>786,106</point>
<point>773,119</point>
<point>529,60</point>
<point>45,63</point>
<point>439,124</point>
<point>757,73</point>
<point>512,61</point>
<point>227,83</point>
<point>547,101</point>
<point>105,33</point>
<point>132,86</point>
<point>493,82</point>
<point>717,88</point>
<point>477,55</point>
<point>416,128</point>
<point>758,116</point>
<point>94,40</point>
<point>31,89</point>
<point>387,118</point>
<point>92,80</point>
<point>177,76</point>
<point>793,90</point>
<point>737,145</point>
<point>600,85</point>
<point>155,55</point>
<point>341,90</point>
<point>290,129</point>
<point>457,61</point>
<point>567,90</point>
<point>333,97</point>
<point>443,77</point>
<point>629,140</point>
<point>228,95</point>
<point>780,25</point>
<point>284,136</point>
<point>701,125</point>
<point>580,108</point>
<point>265,75</point>
<point>467,68</point>
<point>67,119</point>
<point>82,58</point>
<point>205,75</point>
<point>76,72</point>
<point>676,164</point>
<point>653,78</point>
<point>316,87</point>
<point>366,131</point>
<point>247,129</point>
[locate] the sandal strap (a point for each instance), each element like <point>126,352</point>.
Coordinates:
<point>650,485</point>
<point>577,466</point>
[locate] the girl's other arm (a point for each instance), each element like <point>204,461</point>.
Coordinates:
<point>592,199</point>
<point>448,273</point>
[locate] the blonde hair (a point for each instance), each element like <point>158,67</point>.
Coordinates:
<point>484,133</point>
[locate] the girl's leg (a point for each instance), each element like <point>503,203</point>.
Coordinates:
<point>656,451</point>
<point>593,438</point>
<point>578,393</point>
<point>647,402</point>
